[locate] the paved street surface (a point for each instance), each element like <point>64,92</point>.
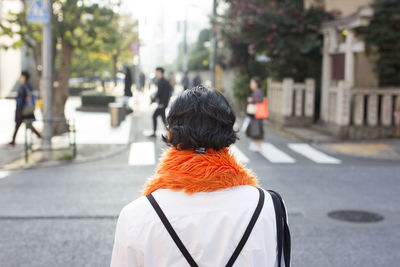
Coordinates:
<point>66,215</point>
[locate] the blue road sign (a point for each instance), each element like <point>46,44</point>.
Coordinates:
<point>37,13</point>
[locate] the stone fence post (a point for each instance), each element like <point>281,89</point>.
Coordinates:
<point>310,96</point>
<point>287,105</point>
<point>343,104</point>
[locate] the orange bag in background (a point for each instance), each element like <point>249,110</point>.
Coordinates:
<point>262,109</point>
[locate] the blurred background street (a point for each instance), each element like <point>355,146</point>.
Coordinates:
<point>329,70</point>
<point>65,215</point>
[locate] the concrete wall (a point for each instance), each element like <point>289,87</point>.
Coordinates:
<point>10,60</point>
<point>346,7</point>
<point>364,71</point>
<point>10,69</point>
<point>13,61</point>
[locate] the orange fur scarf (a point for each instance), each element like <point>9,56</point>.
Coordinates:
<point>193,172</point>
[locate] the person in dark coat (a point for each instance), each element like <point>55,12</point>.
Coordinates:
<point>255,129</point>
<point>128,82</point>
<point>185,81</point>
<point>25,92</point>
<point>197,80</point>
<point>161,97</point>
<point>142,80</point>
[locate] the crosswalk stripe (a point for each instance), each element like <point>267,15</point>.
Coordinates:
<point>239,155</point>
<point>4,174</point>
<point>142,154</point>
<point>274,155</point>
<point>313,154</point>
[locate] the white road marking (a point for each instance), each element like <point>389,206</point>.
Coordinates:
<point>239,155</point>
<point>274,155</point>
<point>4,174</point>
<point>150,132</point>
<point>313,154</point>
<point>142,154</point>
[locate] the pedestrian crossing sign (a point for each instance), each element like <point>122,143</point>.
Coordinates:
<point>37,13</point>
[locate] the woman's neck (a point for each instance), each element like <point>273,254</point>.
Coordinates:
<point>192,172</point>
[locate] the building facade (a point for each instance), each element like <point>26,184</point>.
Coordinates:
<point>13,61</point>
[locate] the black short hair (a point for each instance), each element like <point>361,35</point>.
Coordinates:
<point>160,69</point>
<point>201,118</point>
<point>257,80</point>
<point>26,75</point>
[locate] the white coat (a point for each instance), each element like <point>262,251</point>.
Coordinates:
<point>210,226</point>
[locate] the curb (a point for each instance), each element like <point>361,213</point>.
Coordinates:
<point>48,164</point>
<point>325,147</point>
<point>57,163</point>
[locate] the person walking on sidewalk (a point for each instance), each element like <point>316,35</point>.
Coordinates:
<point>128,82</point>
<point>202,207</point>
<point>197,80</point>
<point>161,97</point>
<point>185,81</point>
<point>142,80</point>
<point>25,106</point>
<point>172,80</point>
<point>255,129</point>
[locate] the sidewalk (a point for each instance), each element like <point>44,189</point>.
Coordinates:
<point>383,149</point>
<point>95,137</point>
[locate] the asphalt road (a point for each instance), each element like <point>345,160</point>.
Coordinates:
<point>66,215</point>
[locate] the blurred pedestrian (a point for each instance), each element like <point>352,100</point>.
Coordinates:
<point>142,80</point>
<point>255,129</point>
<point>185,81</point>
<point>161,97</point>
<point>172,80</point>
<point>25,106</point>
<point>197,80</point>
<point>202,207</point>
<point>128,82</point>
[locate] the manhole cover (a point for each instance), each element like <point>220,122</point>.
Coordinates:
<point>357,216</point>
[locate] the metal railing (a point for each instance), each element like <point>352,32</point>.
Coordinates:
<point>70,132</point>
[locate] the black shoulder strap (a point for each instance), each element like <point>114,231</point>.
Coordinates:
<point>282,229</point>
<point>171,231</point>
<point>248,229</point>
<point>182,247</point>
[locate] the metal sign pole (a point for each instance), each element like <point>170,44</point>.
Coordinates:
<point>213,56</point>
<point>185,46</point>
<point>46,80</point>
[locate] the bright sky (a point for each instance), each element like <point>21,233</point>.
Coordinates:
<point>158,30</point>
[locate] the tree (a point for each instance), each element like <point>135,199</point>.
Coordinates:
<point>110,52</point>
<point>117,41</point>
<point>281,30</point>
<point>382,37</point>
<point>200,54</point>
<point>76,25</point>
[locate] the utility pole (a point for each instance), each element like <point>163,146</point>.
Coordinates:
<point>47,79</point>
<point>136,57</point>
<point>213,55</point>
<point>185,50</point>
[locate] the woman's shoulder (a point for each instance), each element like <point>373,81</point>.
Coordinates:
<point>137,206</point>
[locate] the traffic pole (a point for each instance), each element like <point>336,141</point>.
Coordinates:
<point>185,46</point>
<point>213,55</point>
<point>47,80</point>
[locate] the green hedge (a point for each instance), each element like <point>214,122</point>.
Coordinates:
<point>96,98</point>
<point>77,91</point>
